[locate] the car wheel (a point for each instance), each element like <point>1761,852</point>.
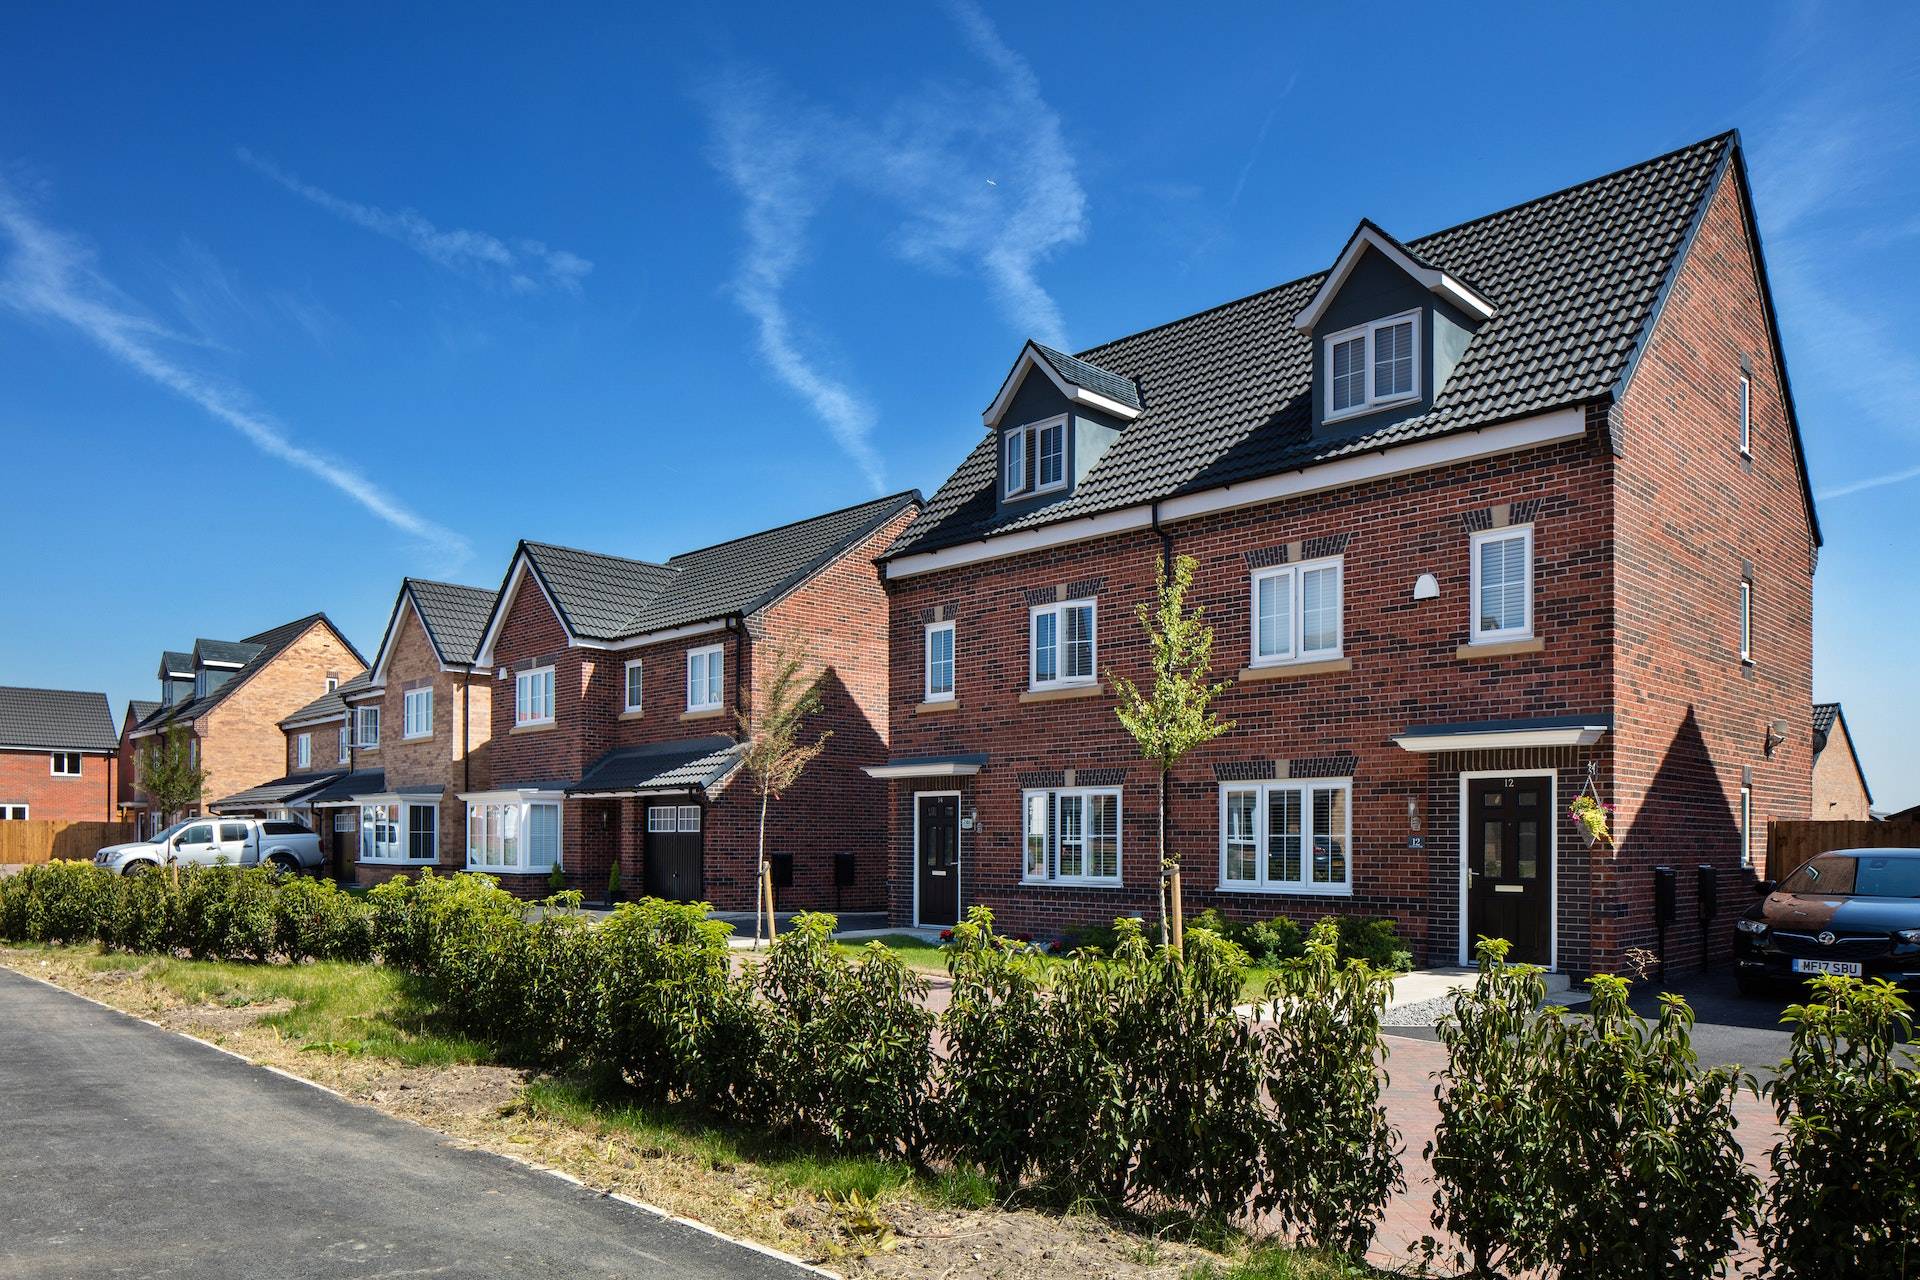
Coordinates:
<point>283,864</point>
<point>137,868</point>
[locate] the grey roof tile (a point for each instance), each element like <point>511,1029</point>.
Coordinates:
<point>333,705</point>
<point>689,764</point>
<point>1824,714</point>
<point>56,720</point>
<point>1104,382</point>
<point>238,652</point>
<point>1227,393</point>
<point>281,791</point>
<point>455,616</point>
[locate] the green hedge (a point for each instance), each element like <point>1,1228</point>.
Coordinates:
<point>1592,1147</point>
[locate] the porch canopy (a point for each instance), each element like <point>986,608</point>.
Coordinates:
<point>1500,735</point>
<point>344,791</point>
<point>956,766</point>
<point>281,793</point>
<point>688,764</point>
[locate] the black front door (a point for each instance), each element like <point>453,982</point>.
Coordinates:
<point>342,852</point>
<point>673,858</point>
<point>937,842</point>
<point>1509,824</point>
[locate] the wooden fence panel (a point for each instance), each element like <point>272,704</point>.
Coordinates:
<point>1789,844</point>
<point>45,841</point>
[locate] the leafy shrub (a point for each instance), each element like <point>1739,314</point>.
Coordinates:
<point>227,913</point>
<point>1485,1150</point>
<point>1639,1171</point>
<point>143,913</point>
<point>1266,942</point>
<point>1374,939</point>
<point>314,920</point>
<point>999,1062</point>
<point>847,1053</point>
<point>1329,1159</point>
<point>670,1010</point>
<point>1845,1198</point>
<point>560,959</point>
<point>57,902</point>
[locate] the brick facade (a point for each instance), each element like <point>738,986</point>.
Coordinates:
<point>27,777</point>
<point>241,744</point>
<point>1642,529</point>
<point>1839,793</point>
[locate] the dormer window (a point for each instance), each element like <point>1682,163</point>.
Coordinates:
<point>1372,366</point>
<point>1034,458</point>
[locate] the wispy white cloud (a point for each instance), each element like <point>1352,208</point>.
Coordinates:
<point>1871,482</point>
<point>49,275</point>
<point>978,174</point>
<point>521,265</point>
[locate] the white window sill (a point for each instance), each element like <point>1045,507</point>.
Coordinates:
<point>1289,890</point>
<point>399,862</point>
<point>363,747</point>
<point>1372,406</point>
<point>1056,692</point>
<point>703,713</point>
<point>532,726</point>
<point>1499,647</point>
<point>415,737</point>
<point>509,871</point>
<point>1294,668</point>
<point>1072,882</point>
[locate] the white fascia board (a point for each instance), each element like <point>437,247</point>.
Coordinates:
<point>920,770</point>
<point>378,676</point>
<point>1432,278</point>
<point>510,795</point>
<point>314,722</point>
<point>522,570</point>
<point>1031,359</point>
<point>656,637</point>
<point>1485,442</point>
<point>1501,739</point>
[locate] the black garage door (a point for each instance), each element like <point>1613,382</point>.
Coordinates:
<point>673,859</point>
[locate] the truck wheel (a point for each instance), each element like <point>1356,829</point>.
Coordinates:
<point>138,868</point>
<point>284,864</point>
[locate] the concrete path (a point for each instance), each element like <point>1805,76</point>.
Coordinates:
<point>126,1150</point>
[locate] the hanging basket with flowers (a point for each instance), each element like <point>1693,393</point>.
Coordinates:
<point>1592,817</point>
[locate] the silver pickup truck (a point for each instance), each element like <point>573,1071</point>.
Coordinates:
<point>206,842</point>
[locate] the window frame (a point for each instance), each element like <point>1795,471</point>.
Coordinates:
<point>522,681</point>
<point>411,831</point>
<point>712,653</point>
<point>1262,883</point>
<point>56,758</point>
<point>407,698</point>
<point>378,804</point>
<point>628,702</point>
<point>360,722</point>
<point>7,808</point>
<point>1295,574</point>
<point>1745,621</point>
<point>1367,331</point>
<point>1746,414</point>
<point>1058,610</point>
<point>303,751</point>
<point>929,693</point>
<point>1013,481</point>
<point>345,734</point>
<point>1526,630</point>
<point>1052,874</point>
<point>522,810</point>
<point>1025,440</point>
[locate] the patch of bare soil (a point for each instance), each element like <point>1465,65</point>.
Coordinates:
<point>480,1106</point>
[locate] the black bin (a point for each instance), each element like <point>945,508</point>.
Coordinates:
<point>842,870</point>
<point>1665,897</point>
<point>782,864</point>
<point>1707,888</point>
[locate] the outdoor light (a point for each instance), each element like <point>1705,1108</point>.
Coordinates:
<point>1426,587</point>
<point>1776,735</point>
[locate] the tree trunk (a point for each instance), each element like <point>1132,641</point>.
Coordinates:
<point>760,873</point>
<point>1163,857</point>
<point>1179,915</point>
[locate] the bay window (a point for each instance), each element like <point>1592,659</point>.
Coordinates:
<point>381,833</point>
<point>423,832</point>
<point>1297,612</point>
<point>533,696</point>
<point>512,833</point>
<point>1061,645</point>
<point>1071,836</point>
<point>1287,837</point>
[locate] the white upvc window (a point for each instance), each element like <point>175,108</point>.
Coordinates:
<point>1746,826</point>
<point>366,722</point>
<point>1746,619</point>
<point>1298,612</point>
<point>1746,415</point>
<point>1287,837</point>
<point>14,812</point>
<point>346,744</point>
<point>65,764</point>
<point>634,685</point>
<point>513,835</point>
<point>1033,457</point>
<point>1374,365</point>
<point>416,713</point>
<point>1502,595</point>
<point>706,678</point>
<point>423,833</point>
<point>332,682</point>
<point>533,696</point>
<point>1062,644</point>
<point>940,662</point>
<point>383,832</point>
<point>1071,836</point>
<point>303,751</point>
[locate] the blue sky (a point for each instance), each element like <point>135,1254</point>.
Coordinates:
<point>295,301</point>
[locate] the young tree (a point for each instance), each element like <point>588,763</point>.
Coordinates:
<point>1177,715</point>
<point>775,755</point>
<point>170,773</point>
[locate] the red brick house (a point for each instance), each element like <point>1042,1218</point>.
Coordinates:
<point>377,766</point>
<point>617,685</point>
<point>1483,521</point>
<point>58,753</point>
<point>230,696</point>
